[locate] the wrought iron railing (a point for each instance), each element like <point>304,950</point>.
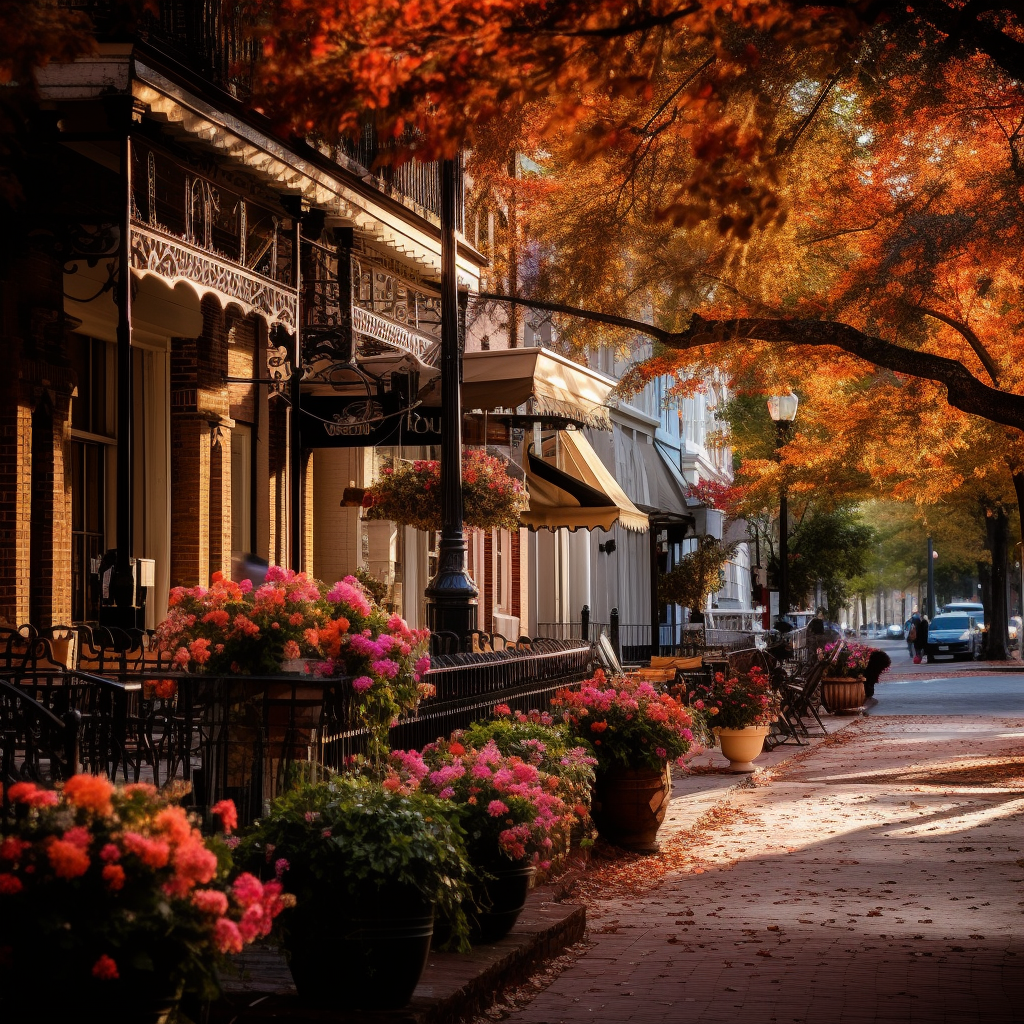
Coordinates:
<point>238,737</point>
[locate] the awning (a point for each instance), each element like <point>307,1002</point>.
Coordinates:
<point>546,383</point>
<point>665,493</point>
<point>580,495</point>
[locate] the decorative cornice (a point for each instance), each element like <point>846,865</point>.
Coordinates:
<point>173,259</point>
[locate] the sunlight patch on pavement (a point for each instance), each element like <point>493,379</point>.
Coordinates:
<point>962,822</point>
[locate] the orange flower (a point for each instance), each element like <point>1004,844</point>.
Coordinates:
<point>113,875</point>
<point>598,726</point>
<point>173,823</point>
<point>91,793</point>
<point>67,859</point>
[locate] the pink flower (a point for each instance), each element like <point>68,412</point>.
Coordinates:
<point>362,683</point>
<point>386,667</point>
<point>247,889</point>
<point>210,901</point>
<point>226,936</point>
<point>496,808</point>
<point>281,865</point>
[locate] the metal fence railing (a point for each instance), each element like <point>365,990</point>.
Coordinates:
<point>237,737</point>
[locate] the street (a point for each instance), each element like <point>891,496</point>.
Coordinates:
<point>875,877</point>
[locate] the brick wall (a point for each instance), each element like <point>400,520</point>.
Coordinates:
<point>35,512</point>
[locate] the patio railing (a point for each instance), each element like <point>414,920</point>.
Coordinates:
<point>239,736</point>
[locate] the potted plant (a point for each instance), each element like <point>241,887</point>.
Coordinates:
<point>740,709</point>
<point>635,732</point>
<point>842,686</point>
<point>536,737</point>
<point>509,810</point>
<point>410,493</point>
<point>231,628</point>
<point>116,895</point>
<point>368,866</point>
<point>697,575</point>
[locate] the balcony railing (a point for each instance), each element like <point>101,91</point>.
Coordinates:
<point>209,38</point>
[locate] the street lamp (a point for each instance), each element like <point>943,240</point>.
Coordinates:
<point>782,409</point>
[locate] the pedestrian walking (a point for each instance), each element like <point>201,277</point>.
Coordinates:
<point>920,639</point>
<point>912,633</point>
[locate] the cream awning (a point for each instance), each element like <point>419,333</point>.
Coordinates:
<point>581,494</point>
<point>547,383</point>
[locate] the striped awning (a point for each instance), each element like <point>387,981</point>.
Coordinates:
<point>578,493</point>
<point>538,382</point>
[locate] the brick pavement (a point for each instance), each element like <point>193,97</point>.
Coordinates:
<point>877,877</point>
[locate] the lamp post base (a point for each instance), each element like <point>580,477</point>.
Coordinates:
<point>451,595</point>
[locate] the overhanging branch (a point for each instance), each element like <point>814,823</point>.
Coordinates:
<point>964,390</point>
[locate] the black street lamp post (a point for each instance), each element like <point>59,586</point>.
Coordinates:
<point>782,409</point>
<point>451,594</point>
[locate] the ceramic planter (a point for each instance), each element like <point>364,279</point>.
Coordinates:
<point>742,746</point>
<point>630,805</point>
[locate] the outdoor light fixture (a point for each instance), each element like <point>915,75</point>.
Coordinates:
<point>782,409</point>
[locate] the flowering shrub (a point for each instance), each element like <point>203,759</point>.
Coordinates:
<point>734,702</point>
<point>851,661</point>
<point>232,628</point>
<point>538,739</point>
<point>410,493</point>
<point>349,838</point>
<point>626,721</point>
<point>509,808</point>
<point>121,887</point>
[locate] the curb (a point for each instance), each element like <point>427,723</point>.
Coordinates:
<point>453,986</point>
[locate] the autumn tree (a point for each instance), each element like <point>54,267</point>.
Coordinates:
<point>770,187</point>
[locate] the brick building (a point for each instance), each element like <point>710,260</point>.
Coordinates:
<point>153,411</point>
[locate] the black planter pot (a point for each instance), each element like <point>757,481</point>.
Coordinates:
<point>367,956</point>
<point>501,900</point>
<point>125,1000</point>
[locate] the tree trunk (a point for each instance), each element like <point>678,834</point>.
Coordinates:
<point>998,529</point>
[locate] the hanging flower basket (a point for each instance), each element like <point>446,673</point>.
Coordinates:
<point>410,493</point>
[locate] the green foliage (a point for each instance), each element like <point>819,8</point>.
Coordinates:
<point>831,545</point>
<point>697,575</point>
<point>377,589</point>
<point>348,836</point>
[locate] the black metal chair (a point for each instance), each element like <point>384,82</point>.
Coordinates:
<point>35,744</point>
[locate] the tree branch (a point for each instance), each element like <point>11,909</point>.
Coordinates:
<point>964,390</point>
<point>972,339</point>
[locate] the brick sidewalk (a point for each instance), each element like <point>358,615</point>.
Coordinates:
<point>877,877</point>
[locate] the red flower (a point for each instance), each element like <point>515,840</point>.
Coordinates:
<point>105,969</point>
<point>228,814</point>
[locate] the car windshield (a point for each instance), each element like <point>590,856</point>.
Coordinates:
<point>949,622</point>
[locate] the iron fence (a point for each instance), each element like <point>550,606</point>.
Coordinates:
<point>238,737</point>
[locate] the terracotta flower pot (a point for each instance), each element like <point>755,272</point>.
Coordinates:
<point>742,746</point>
<point>630,805</point>
<point>843,695</point>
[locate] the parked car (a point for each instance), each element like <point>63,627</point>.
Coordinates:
<point>953,635</point>
<point>894,632</point>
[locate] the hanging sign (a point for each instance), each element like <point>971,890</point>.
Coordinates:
<point>366,422</point>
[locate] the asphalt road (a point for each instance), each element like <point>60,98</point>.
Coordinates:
<point>944,688</point>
